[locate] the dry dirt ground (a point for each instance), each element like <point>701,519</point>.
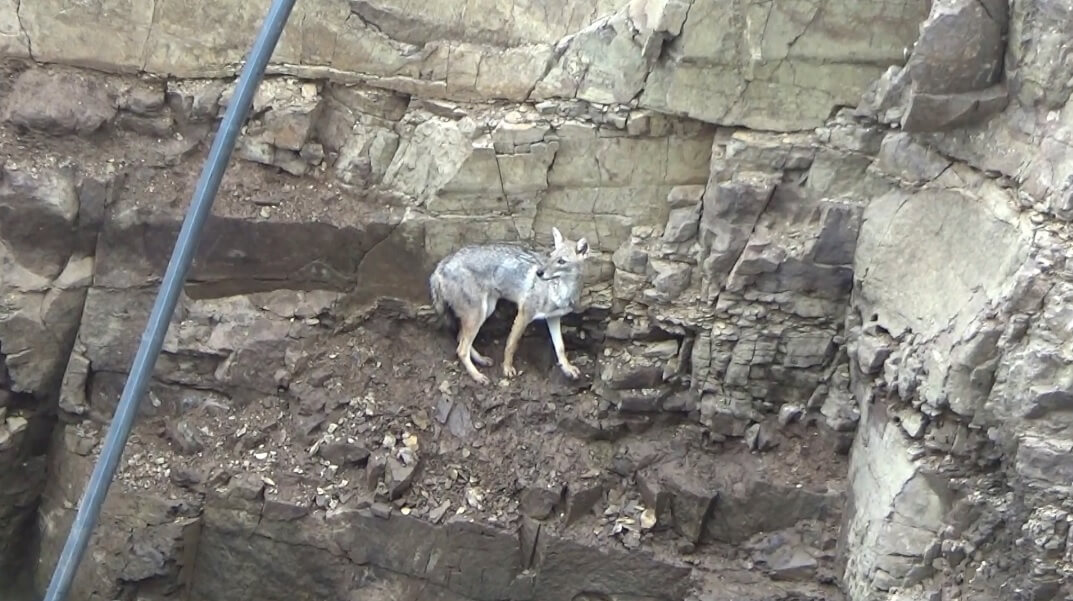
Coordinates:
<point>385,416</point>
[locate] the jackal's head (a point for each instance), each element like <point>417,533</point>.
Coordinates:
<point>565,259</point>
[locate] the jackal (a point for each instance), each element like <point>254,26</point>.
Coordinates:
<point>472,279</point>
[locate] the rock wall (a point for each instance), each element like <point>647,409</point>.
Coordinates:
<point>833,222</point>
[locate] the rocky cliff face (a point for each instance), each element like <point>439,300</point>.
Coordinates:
<point>825,346</point>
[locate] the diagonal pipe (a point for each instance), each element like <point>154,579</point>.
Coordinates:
<point>141,370</point>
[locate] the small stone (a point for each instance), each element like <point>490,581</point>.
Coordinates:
<point>648,518</point>
<point>185,436</point>
<point>343,453</point>
<point>474,496</point>
<point>912,422</point>
<point>436,515</point>
<point>421,420</point>
<point>581,498</point>
<point>375,468</point>
<point>186,477</point>
<point>644,400</point>
<point>792,563</point>
<point>246,486</point>
<point>79,441</point>
<point>406,456</point>
<point>538,502</point>
<point>16,424</point>
<point>757,439</point>
<point>399,477</point>
<point>789,414</point>
<point>682,225</point>
<point>381,510</point>
<point>312,153</point>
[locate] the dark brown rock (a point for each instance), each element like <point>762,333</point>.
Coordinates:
<point>185,436</point>
<point>605,429</point>
<point>628,374</point>
<point>904,158</point>
<point>960,48</point>
<point>647,400</point>
<point>375,468</point>
<point>538,502</point>
<point>581,498</point>
<point>399,477</point>
<point>186,477</point>
<point>567,568</point>
<point>142,98</point>
<point>38,212</point>
<point>945,83</point>
<point>730,212</point>
<point>79,441</point>
<point>747,506</point>
<point>941,112</point>
<point>655,495</point>
<point>247,486</point>
<point>284,505</point>
<point>528,536</point>
<point>344,453</point>
<point>785,556</point>
<point>837,240</point>
<point>689,498</point>
<point>158,126</point>
<point>59,102</point>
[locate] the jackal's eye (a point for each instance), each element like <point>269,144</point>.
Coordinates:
<point>562,261</point>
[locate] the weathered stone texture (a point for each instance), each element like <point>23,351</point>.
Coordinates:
<point>13,38</point>
<point>893,276</point>
<point>954,74</point>
<point>43,280</point>
<point>689,58</point>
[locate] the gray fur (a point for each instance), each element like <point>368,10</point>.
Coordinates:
<point>472,279</point>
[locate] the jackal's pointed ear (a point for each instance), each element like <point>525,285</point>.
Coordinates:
<point>583,247</point>
<point>557,236</point>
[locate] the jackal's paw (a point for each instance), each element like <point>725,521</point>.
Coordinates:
<point>509,371</point>
<point>571,372</point>
<point>481,378</point>
<point>483,361</point>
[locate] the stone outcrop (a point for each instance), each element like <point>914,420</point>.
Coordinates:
<point>734,64</point>
<point>942,85</point>
<point>824,332</point>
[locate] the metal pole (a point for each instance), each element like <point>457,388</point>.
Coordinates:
<point>160,318</point>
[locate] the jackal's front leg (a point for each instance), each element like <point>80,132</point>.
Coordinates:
<point>513,339</point>
<point>570,370</point>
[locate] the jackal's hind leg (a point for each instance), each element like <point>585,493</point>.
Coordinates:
<point>468,331</point>
<point>480,359</point>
